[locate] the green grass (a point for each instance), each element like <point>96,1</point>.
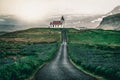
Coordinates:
<point>94,37</point>
<point>22,52</point>
<point>27,58</point>
<point>21,69</point>
<point>33,35</point>
<point>96,51</point>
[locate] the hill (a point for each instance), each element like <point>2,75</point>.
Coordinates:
<point>116,10</point>
<point>96,51</point>
<point>91,37</point>
<point>111,22</point>
<point>33,35</point>
<point>23,52</point>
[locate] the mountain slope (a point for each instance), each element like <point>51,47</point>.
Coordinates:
<point>116,10</point>
<point>111,22</point>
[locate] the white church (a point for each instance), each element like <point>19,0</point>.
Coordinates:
<point>58,24</point>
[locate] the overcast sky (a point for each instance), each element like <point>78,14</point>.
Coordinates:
<point>61,6</point>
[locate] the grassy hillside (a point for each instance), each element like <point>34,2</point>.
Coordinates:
<point>97,51</point>
<point>19,61</point>
<point>33,35</point>
<point>22,52</point>
<point>108,37</point>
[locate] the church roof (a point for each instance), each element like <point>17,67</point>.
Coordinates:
<point>56,23</point>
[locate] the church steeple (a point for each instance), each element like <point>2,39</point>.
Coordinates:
<point>62,19</point>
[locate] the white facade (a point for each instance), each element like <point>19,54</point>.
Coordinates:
<point>56,26</point>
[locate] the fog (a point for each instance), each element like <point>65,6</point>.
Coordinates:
<point>61,6</point>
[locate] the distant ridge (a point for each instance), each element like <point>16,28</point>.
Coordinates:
<point>111,22</point>
<point>116,10</point>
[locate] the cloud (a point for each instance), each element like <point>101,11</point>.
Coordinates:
<point>64,6</point>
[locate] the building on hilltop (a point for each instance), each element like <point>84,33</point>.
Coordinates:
<point>58,24</point>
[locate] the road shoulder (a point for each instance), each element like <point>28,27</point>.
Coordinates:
<point>88,73</point>
<point>33,75</point>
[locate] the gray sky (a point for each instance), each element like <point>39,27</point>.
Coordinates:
<point>58,6</point>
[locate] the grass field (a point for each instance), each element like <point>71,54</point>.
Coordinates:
<point>22,52</point>
<point>94,37</point>
<point>97,51</point>
<point>33,35</point>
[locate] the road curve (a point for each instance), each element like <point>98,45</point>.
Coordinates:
<point>60,67</point>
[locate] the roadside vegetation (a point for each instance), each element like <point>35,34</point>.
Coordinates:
<point>19,59</point>
<point>96,51</point>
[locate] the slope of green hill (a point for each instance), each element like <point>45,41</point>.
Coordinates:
<point>96,51</point>
<point>105,37</point>
<point>23,52</point>
<point>33,35</point>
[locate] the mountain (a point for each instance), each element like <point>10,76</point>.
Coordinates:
<point>116,10</point>
<point>111,22</point>
<point>98,20</point>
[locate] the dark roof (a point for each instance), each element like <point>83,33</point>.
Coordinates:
<point>56,23</point>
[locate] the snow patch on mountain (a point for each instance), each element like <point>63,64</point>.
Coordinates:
<point>97,20</point>
<point>110,13</point>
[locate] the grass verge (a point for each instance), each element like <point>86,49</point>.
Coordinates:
<point>86,72</point>
<point>23,52</point>
<point>96,51</point>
